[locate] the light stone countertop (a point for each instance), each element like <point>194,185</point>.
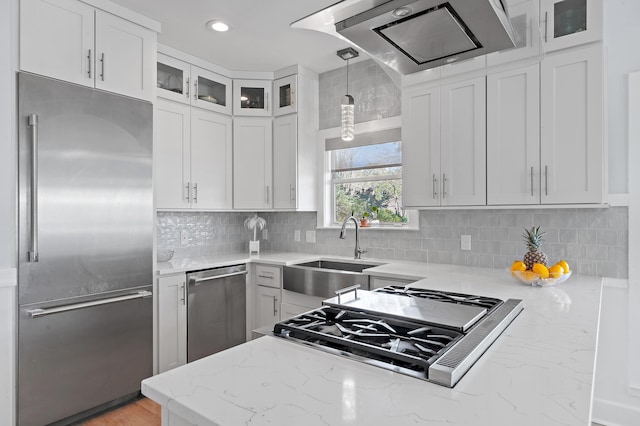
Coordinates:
<point>539,372</point>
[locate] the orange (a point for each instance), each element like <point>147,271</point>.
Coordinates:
<point>556,270</point>
<point>529,276</point>
<point>564,265</point>
<point>541,270</point>
<point>518,265</point>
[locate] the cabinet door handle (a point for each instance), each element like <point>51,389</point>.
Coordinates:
<point>89,60</point>
<point>293,97</point>
<point>102,63</point>
<point>195,192</point>
<point>546,180</point>
<point>187,187</point>
<point>184,293</point>
<point>532,181</point>
<point>444,183</point>
<point>266,101</point>
<point>195,90</point>
<point>292,189</point>
<point>33,123</point>
<point>435,187</point>
<point>275,308</point>
<point>187,89</point>
<point>546,25</point>
<point>267,194</point>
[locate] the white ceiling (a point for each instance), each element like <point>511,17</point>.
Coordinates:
<point>260,38</point>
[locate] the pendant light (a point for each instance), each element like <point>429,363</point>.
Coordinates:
<point>347,105</point>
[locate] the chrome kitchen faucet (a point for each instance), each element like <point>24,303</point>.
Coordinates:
<point>357,252</point>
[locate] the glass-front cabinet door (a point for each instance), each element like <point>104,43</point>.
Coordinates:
<point>567,23</point>
<point>252,97</point>
<point>173,79</point>
<point>210,90</point>
<point>284,95</point>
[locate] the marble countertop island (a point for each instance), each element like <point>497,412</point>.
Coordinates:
<point>539,372</point>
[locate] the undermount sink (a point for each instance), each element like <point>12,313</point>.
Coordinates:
<point>336,265</point>
<point>322,278</point>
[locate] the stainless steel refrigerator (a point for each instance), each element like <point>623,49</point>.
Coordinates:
<point>85,249</point>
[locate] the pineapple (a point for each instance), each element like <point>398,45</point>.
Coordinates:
<point>533,238</point>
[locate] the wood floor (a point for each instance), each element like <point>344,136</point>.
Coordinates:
<point>141,412</point>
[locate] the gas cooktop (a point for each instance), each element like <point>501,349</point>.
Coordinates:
<point>431,335</point>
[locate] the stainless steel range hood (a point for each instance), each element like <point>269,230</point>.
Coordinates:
<point>415,35</point>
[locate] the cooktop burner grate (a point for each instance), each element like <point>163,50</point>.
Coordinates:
<point>405,344</point>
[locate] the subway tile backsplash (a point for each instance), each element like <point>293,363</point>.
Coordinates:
<point>593,241</point>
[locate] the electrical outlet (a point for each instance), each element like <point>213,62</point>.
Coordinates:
<point>311,236</point>
<point>184,237</point>
<point>296,235</point>
<point>265,234</point>
<point>465,242</point>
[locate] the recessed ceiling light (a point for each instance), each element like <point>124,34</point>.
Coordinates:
<point>217,26</point>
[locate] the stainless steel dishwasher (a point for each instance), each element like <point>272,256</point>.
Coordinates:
<point>216,310</point>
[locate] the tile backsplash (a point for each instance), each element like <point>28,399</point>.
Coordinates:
<point>593,241</point>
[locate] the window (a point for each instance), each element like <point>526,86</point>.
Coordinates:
<point>366,179</point>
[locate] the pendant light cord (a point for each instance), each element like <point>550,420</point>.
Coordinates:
<point>347,76</point>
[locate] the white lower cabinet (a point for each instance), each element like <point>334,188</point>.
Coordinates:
<point>172,322</point>
<point>267,306</point>
<point>267,281</point>
<point>193,158</point>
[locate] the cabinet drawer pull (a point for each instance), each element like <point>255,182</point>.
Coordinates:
<point>267,277</point>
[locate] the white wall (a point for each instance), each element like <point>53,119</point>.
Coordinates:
<point>8,49</point>
<point>621,35</point>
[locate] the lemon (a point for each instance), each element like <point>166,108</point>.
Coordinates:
<point>541,270</point>
<point>556,270</point>
<point>564,265</point>
<point>529,276</point>
<point>518,265</point>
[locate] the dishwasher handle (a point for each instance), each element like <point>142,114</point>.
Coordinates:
<point>197,281</point>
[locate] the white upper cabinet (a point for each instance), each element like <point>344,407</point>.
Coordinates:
<point>421,147</point>
<point>125,54</point>
<point>186,83</point>
<point>252,98</point>
<point>524,21</point>
<point>252,163</point>
<point>56,40</point>
<point>285,160</point>
<point>513,137</point>
<point>193,158</point>
<point>444,145</point>
<point>71,41</point>
<point>567,23</point>
<point>210,90</point>
<point>463,143</point>
<point>172,164</point>
<point>211,160</point>
<point>572,127</point>
<point>284,95</point>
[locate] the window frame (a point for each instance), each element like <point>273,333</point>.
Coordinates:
<point>326,201</point>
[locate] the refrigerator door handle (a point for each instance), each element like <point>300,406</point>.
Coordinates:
<point>33,123</point>
<point>35,313</point>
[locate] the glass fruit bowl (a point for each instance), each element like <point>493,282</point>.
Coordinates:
<point>533,279</point>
